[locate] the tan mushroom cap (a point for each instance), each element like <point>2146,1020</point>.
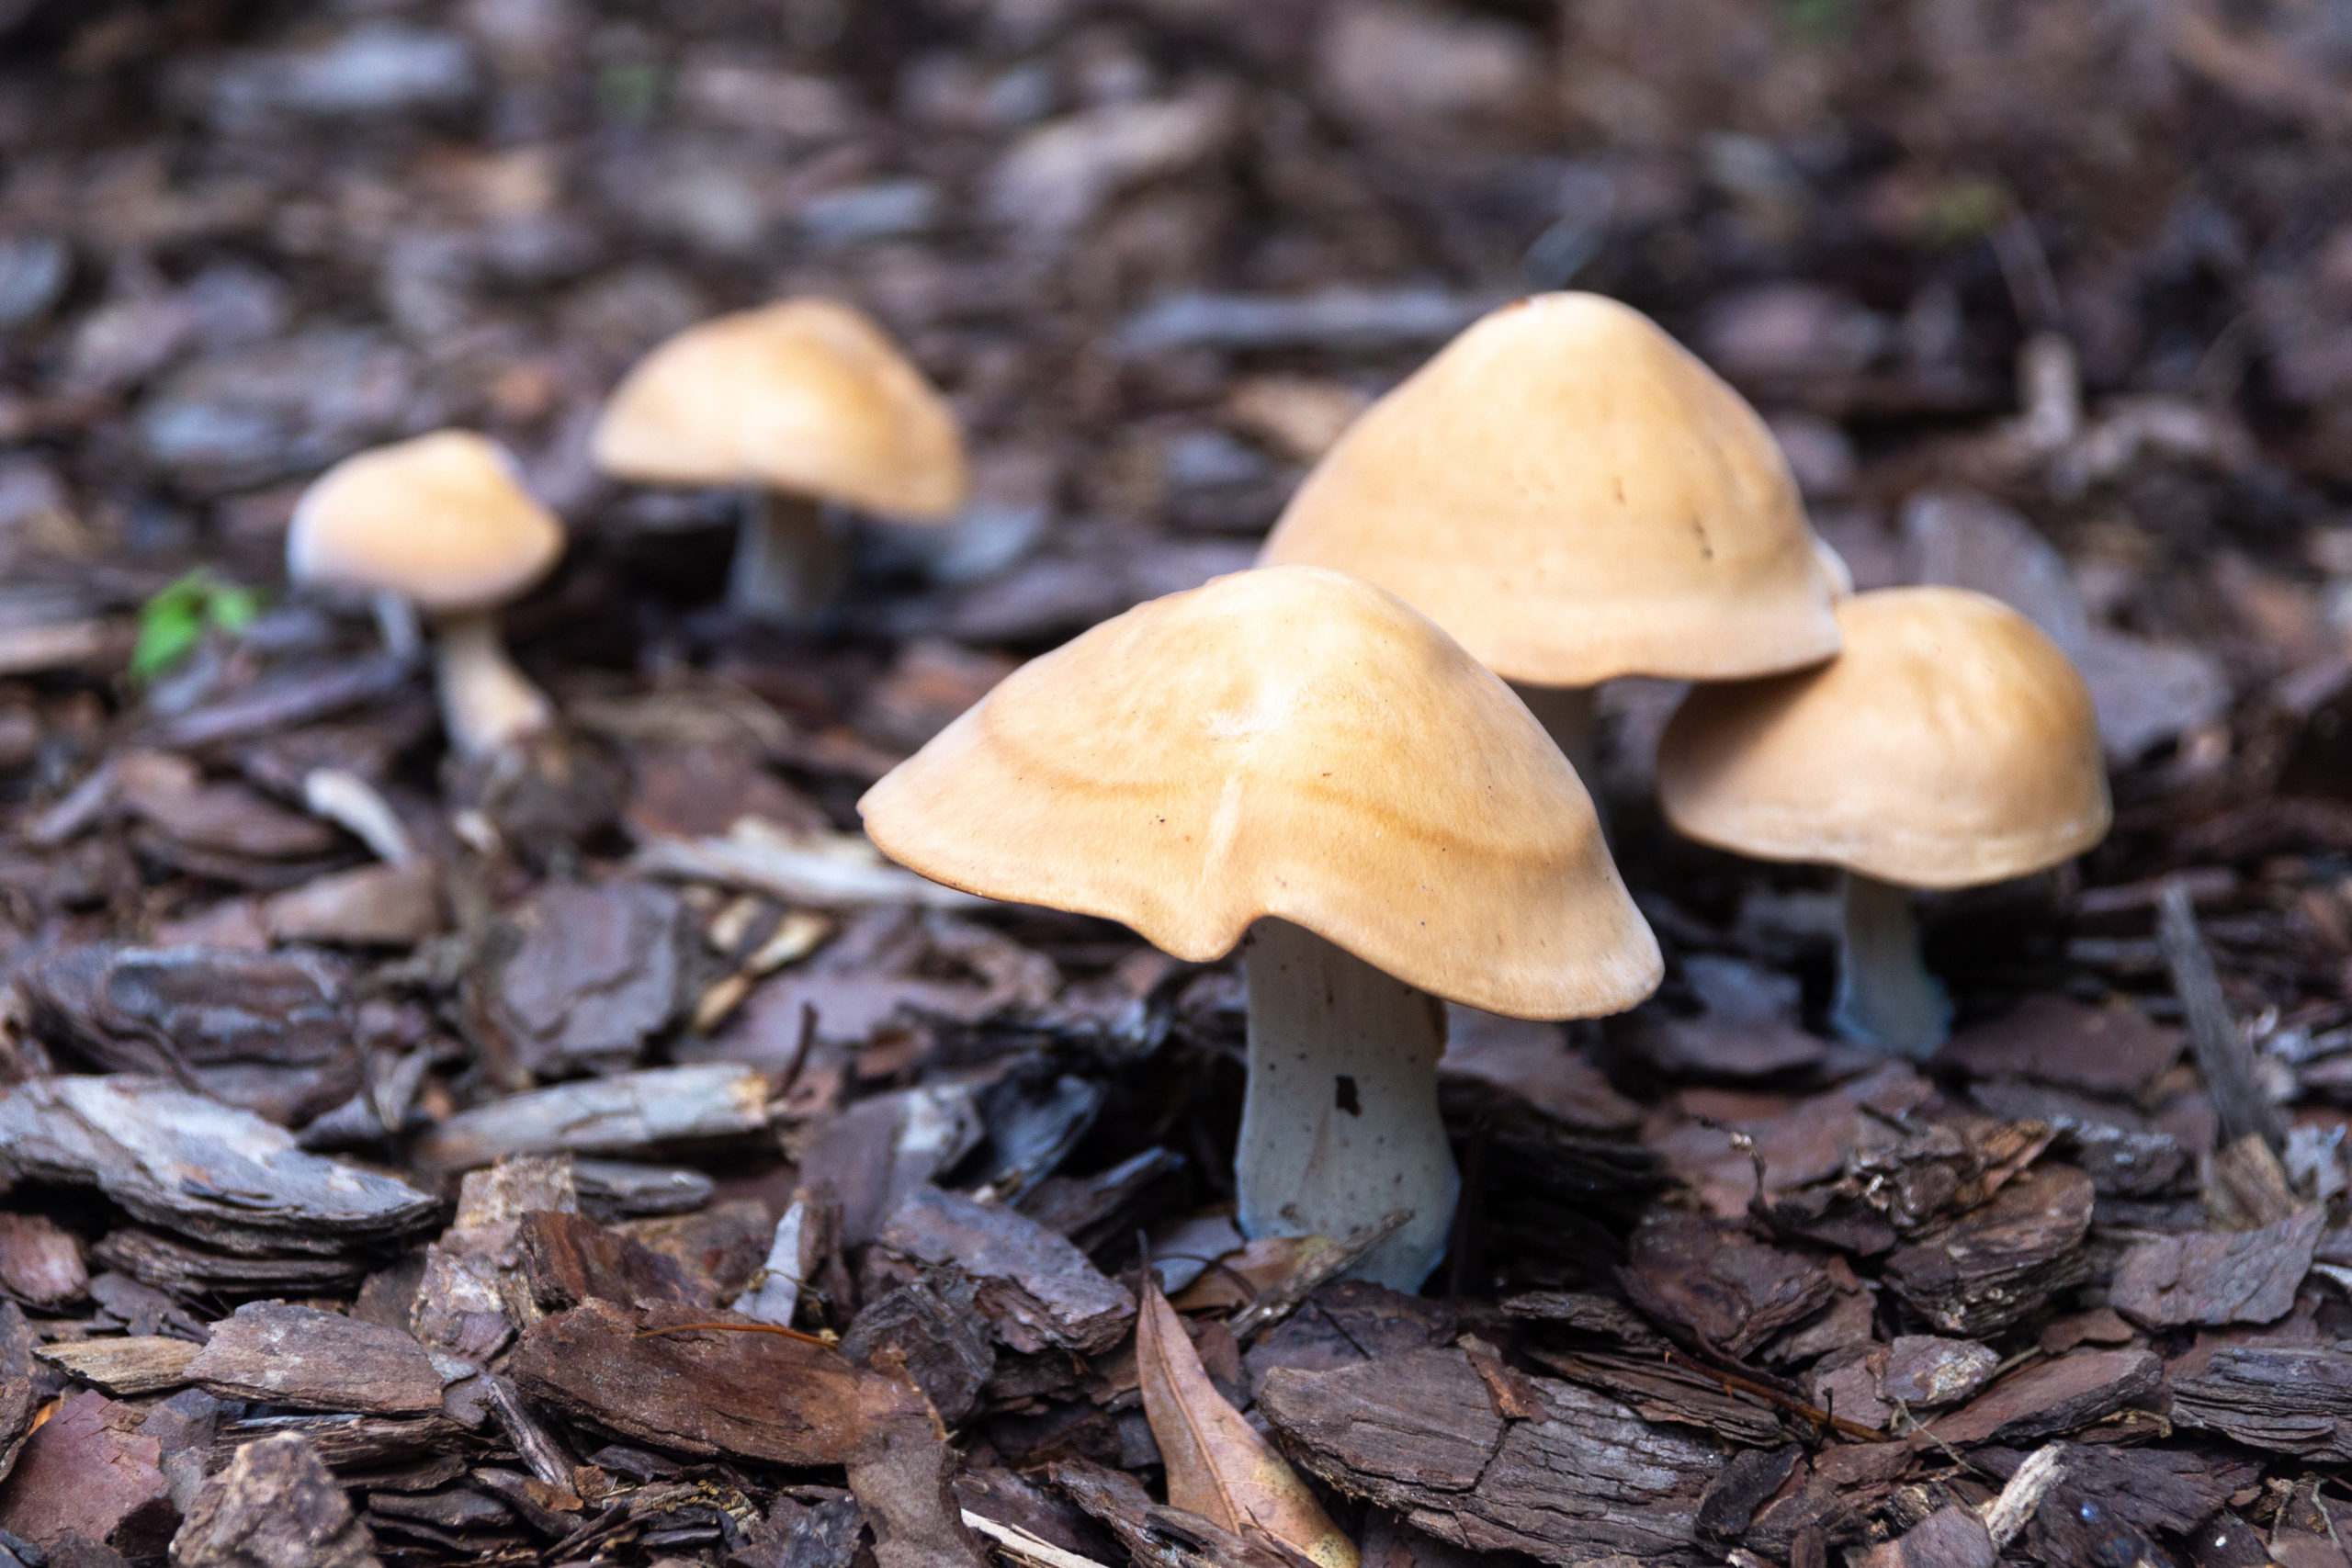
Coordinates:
<point>1574,497</point>
<point>1289,742</point>
<point>804,396</point>
<point>1951,744</point>
<point>442,520</point>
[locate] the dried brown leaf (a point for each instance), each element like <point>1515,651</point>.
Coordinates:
<point>1219,1466</point>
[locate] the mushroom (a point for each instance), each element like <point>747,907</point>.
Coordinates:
<point>443,522</point>
<point>1294,761</point>
<point>1951,744</point>
<point>1574,497</point>
<point>802,402</point>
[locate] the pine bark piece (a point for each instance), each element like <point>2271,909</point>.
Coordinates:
<point>2113,1051</point>
<point>270,1353</point>
<point>2109,1500</point>
<point>268,1032</point>
<point>600,971</point>
<point>936,1336</point>
<point>1720,1286</point>
<point>20,1394</point>
<point>1949,1537</point>
<point>193,1164</point>
<point>2246,1276</point>
<point>471,1295</point>
<point>2292,1399</point>
<point>346,1443</point>
<point>1219,1466</point>
<point>1925,1371</point>
<point>624,1116</point>
<point>191,1271</point>
<point>1998,1264</point>
<point>754,1396</point>
<point>1662,1393</point>
<point>88,1469</point>
<point>2055,1396</point>
<point>901,1483</point>
<point>1035,1286</point>
<point>1733,1497</point>
<point>125,1368</point>
<point>274,1504</point>
<point>41,1263</point>
<point>569,1260</point>
<point>1422,1434</point>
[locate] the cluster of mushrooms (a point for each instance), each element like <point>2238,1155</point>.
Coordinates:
<point>1359,761</point>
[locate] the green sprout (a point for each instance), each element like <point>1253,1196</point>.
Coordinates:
<point>175,620</point>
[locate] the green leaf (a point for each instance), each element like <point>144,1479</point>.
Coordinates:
<point>169,632</point>
<point>173,623</point>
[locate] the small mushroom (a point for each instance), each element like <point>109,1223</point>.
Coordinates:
<point>1574,497</point>
<point>1950,745</point>
<point>443,522</point>
<point>1297,757</point>
<point>801,403</point>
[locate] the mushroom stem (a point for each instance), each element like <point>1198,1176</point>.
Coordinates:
<point>1566,714</point>
<point>1341,1126</point>
<point>486,702</point>
<point>788,562</point>
<point>1885,996</point>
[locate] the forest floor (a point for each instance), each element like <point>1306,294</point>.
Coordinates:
<point>411,1133</point>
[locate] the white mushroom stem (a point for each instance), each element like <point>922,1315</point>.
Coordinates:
<point>1566,714</point>
<point>1886,998</point>
<point>487,704</point>
<point>788,561</point>
<point>1340,1126</point>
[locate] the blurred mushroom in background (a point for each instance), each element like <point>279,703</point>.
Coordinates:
<point>802,403</point>
<point>442,522</point>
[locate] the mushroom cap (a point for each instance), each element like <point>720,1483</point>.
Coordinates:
<point>808,397</point>
<point>1289,742</point>
<point>442,520</point>
<point>1574,497</point>
<point>1951,744</point>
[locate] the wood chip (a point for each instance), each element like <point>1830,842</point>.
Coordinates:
<point>271,1353</point>
<point>1998,1264</point>
<point>20,1393</point>
<point>274,1504</point>
<point>89,1469</point>
<point>569,1260</point>
<point>144,1364</point>
<point>1420,1434</point>
<point>628,1114</point>
<point>191,1164</point>
<point>41,1262</point>
<point>2247,1277</point>
<point>2055,1396</point>
<point>268,1032</point>
<point>755,1396</point>
<point>2292,1399</point>
<point>1035,1286</point>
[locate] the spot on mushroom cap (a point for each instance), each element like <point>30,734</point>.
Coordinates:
<point>804,396</point>
<point>442,520</point>
<point>1291,742</point>
<point>1574,497</point>
<point>1951,744</point>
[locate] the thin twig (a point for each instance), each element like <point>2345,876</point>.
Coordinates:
<point>735,1329</point>
<point>1771,1395</point>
